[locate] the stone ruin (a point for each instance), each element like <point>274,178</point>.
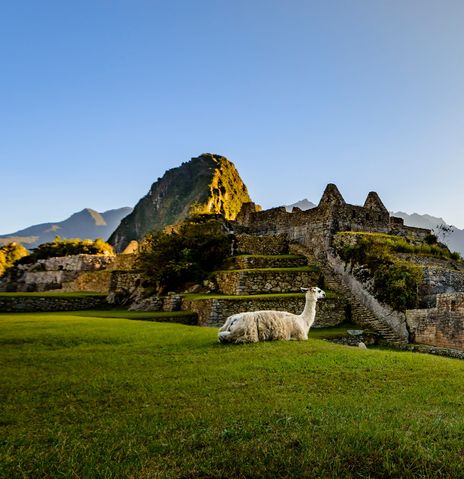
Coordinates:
<point>316,227</point>
<point>269,232</point>
<point>75,273</point>
<point>442,326</point>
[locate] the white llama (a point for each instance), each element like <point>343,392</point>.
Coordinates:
<point>251,327</point>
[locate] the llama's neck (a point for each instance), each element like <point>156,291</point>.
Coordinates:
<point>309,313</point>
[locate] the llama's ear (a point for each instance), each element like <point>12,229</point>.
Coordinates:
<point>304,289</point>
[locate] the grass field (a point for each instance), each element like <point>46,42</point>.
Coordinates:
<point>102,397</point>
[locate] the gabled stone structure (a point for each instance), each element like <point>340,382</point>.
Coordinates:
<point>316,227</point>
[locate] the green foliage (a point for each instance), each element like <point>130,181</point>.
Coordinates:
<point>89,397</point>
<point>10,254</point>
<point>68,247</point>
<point>197,247</point>
<point>396,244</point>
<point>395,282</point>
<point>431,239</point>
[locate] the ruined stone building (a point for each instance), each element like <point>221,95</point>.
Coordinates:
<point>316,227</point>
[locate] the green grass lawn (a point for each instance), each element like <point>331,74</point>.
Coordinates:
<point>103,397</point>
<point>198,296</point>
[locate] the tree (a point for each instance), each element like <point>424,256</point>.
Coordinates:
<point>443,231</point>
<point>186,254</point>
<point>10,254</point>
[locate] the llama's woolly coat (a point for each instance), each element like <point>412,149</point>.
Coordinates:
<point>261,326</point>
<point>250,327</point>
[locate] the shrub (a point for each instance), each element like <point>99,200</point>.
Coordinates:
<point>186,254</point>
<point>431,239</point>
<point>10,254</point>
<point>68,247</point>
<point>395,282</point>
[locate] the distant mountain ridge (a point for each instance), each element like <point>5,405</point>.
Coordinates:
<point>303,204</point>
<point>454,240</point>
<point>85,224</point>
<point>207,184</point>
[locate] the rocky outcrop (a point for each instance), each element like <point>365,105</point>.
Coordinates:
<point>207,184</point>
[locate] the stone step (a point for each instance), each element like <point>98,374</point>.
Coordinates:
<point>266,280</point>
<point>360,313</point>
<point>266,261</point>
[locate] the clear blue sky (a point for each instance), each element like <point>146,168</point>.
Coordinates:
<point>98,98</point>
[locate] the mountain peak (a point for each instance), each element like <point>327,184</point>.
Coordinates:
<point>303,204</point>
<point>208,183</point>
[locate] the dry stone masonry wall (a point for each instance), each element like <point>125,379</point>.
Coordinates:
<point>261,245</point>
<point>440,281</point>
<point>91,273</point>
<point>264,281</point>
<point>442,326</point>
<point>285,261</point>
<point>28,304</point>
<point>215,310</point>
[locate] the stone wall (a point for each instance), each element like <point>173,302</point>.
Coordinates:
<point>44,280</point>
<point>261,245</point>
<point>442,326</point>
<point>123,281</point>
<point>80,262</point>
<point>262,281</point>
<point>440,281</point>
<point>52,273</point>
<point>214,312</point>
<point>123,262</point>
<point>91,281</point>
<point>73,273</point>
<point>251,262</point>
<point>28,304</point>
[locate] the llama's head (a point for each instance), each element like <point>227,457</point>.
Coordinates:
<point>315,292</point>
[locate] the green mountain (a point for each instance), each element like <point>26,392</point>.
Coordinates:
<point>206,184</point>
<point>86,224</point>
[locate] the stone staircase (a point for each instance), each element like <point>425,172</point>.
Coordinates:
<point>360,313</point>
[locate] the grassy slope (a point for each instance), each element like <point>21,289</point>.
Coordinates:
<point>198,296</point>
<point>103,397</point>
